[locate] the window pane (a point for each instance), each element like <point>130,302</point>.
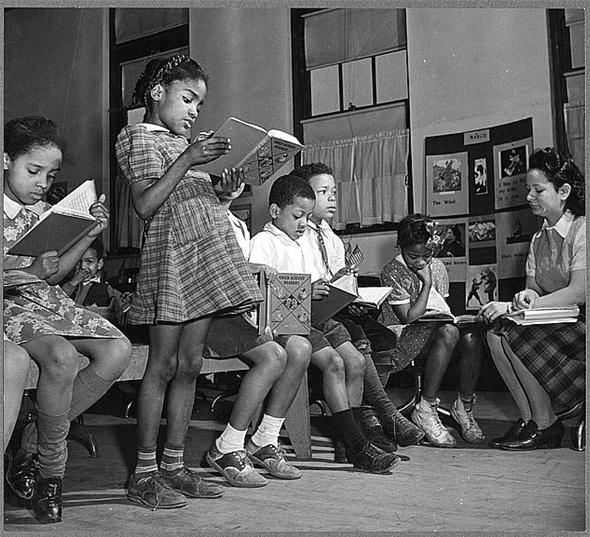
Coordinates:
<point>324,91</point>
<point>130,72</point>
<point>577,44</point>
<point>357,83</point>
<point>392,76</point>
<point>134,23</point>
<point>340,35</point>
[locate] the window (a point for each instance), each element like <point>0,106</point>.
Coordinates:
<point>351,109</point>
<point>566,40</point>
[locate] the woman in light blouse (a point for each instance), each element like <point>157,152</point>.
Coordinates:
<point>544,365</point>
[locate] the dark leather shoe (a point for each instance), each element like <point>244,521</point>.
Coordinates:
<point>513,434</point>
<point>533,438</point>
<point>21,475</point>
<point>373,460</point>
<point>373,430</point>
<point>46,502</point>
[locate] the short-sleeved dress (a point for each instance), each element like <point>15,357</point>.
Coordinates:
<point>406,288</point>
<point>40,309</point>
<point>191,263</point>
<point>555,353</point>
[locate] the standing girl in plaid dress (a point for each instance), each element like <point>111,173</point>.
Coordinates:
<point>544,366</point>
<point>45,322</point>
<point>192,270</point>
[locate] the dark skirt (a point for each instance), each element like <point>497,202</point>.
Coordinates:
<point>556,355</point>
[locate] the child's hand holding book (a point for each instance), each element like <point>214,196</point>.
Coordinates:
<point>101,213</point>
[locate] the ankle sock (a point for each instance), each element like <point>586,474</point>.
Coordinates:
<point>230,440</point>
<point>28,443</point>
<point>348,426</point>
<point>146,460</point>
<point>88,388</point>
<point>268,431</point>
<point>467,401</point>
<point>172,458</point>
<point>52,444</point>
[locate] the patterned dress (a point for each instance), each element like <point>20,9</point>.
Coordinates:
<point>555,353</point>
<point>40,309</point>
<point>191,263</point>
<point>406,288</point>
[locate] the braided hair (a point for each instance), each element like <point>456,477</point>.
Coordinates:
<point>560,170</point>
<point>417,228</point>
<point>164,71</point>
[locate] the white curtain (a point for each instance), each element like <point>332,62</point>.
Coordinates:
<point>575,115</point>
<point>371,174</point>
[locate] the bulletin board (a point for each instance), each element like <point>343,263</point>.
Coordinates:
<point>475,191</point>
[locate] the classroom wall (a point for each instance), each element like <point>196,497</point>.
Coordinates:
<point>55,65</point>
<point>248,55</point>
<point>475,68</point>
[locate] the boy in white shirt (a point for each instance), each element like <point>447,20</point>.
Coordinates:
<point>291,202</point>
<point>324,251</point>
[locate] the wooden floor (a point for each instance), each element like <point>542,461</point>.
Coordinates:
<point>466,489</point>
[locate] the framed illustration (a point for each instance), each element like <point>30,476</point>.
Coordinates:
<point>481,285</point>
<point>510,166</point>
<point>447,184</point>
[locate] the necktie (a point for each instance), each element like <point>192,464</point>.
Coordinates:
<point>323,250</point>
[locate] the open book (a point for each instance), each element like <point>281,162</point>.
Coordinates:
<point>64,224</point>
<point>370,297</point>
<point>566,314</point>
<point>446,317</point>
<point>327,307</point>
<point>260,153</point>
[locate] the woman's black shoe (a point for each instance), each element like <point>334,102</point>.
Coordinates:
<point>513,434</point>
<point>21,475</point>
<point>46,502</point>
<point>533,438</point>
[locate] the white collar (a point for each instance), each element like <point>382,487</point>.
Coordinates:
<point>563,224</point>
<point>400,258</point>
<point>271,228</point>
<point>153,127</point>
<point>12,208</point>
<point>323,225</point>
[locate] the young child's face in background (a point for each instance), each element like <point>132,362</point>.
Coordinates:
<point>324,187</point>
<point>292,219</point>
<point>29,176</point>
<point>90,263</point>
<point>417,256</point>
<point>179,105</point>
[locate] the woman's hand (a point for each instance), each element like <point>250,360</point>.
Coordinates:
<point>319,289</point>
<point>208,149</point>
<point>525,300</point>
<point>356,310</point>
<point>101,213</point>
<point>492,310</point>
<point>45,265</point>
<point>231,184</point>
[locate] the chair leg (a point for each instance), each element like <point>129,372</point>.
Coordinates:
<point>578,435</point>
<point>80,434</point>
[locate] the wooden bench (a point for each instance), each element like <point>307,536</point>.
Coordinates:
<point>297,421</point>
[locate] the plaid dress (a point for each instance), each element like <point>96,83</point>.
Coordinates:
<point>406,288</point>
<point>191,264</point>
<point>40,309</point>
<point>554,353</point>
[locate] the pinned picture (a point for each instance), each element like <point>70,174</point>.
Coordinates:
<point>480,176</point>
<point>447,182</point>
<point>481,286</point>
<point>510,166</point>
<point>513,161</point>
<point>453,242</point>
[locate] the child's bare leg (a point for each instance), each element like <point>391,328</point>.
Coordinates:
<point>285,388</point>
<point>471,350</point>
<point>354,366</point>
<point>442,344</point>
<point>16,369</point>
<point>108,359</point>
<point>330,363</point>
<point>181,393</point>
<point>268,363</point>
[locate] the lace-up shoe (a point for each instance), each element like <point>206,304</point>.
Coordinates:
<point>190,483</point>
<point>373,460</point>
<point>21,475</point>
<point>151,490</point>
<point>272,459</point>
<point>236,467</point>
<point>470,430</point>
<point>426,417</point>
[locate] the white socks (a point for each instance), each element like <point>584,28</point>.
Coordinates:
<point>268,431</point>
